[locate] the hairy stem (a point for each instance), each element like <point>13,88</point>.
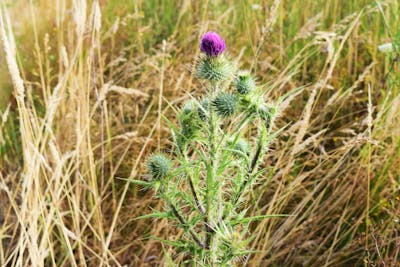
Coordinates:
<point>195,197</point>
<point>184,224</point>
<point>251,169</point>
<point>193,190</point>
<point>211,189</point>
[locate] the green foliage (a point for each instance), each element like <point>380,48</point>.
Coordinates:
<point>203,108</point>
<point>189,120</point>
<point>241,147</point>
<point>217,162</point>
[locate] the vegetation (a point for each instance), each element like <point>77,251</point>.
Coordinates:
<point>217,156</point>
<point>90,90</point>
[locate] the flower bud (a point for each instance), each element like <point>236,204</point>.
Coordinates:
<point>158,166</point>
<point>226,104</point>
<point>214,68</point>
<point>188,108</point>
<point>188,120</point>
<point>244,83</point>
<point>240,147</point>
<point>267,114</point>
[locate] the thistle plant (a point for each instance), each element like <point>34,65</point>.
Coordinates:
<point>216,159</point>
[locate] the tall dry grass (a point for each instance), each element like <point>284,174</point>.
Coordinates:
<point>92,80</point>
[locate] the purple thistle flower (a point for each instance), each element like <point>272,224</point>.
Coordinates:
<point>212,44</point>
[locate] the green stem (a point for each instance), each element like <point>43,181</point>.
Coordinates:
<point>195,197</point>
<point>185,225</point>
<point>212,184</point>
<point>192,188</point>
<point>252,167</point>
<point>181,220</point>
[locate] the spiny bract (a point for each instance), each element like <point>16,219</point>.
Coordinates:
<point>158,165</point>
<point>226,104</point>
<point>214,68</point>
<point>267,114</point>
<point>244,83</point>
<point>241,147</point>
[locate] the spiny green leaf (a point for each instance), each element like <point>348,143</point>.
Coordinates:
<point>140,182</point>
<point>177,244</point>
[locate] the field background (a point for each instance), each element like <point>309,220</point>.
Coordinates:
<point>84,86</point>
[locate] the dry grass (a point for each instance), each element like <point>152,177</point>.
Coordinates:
<point>92,80</point>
